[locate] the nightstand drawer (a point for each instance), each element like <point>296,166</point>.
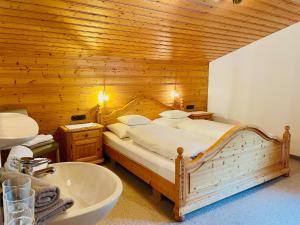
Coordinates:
<point>85,134</point>
<point>86,150</point>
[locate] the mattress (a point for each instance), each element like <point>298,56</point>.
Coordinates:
<point>152,161</point>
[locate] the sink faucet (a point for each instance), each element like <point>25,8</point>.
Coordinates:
<point>27,164</point>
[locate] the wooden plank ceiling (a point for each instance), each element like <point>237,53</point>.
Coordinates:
<point>147,29</point>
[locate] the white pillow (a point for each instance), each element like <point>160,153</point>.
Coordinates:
<point>174,114</point>
<point>119,129</point>
<point>169,122</point>
<point>132,120</point>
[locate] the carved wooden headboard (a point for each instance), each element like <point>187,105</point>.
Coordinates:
<point>144,106</point>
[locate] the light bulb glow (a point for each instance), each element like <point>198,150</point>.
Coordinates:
<point>102,97</point>
<point>174,94</point>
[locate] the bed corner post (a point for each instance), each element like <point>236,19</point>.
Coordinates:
<point>286,147</point>
<point>179,185</point>
<point>100,111</point>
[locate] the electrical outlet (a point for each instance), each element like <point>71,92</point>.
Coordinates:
<point>78,117</point>
<point>190,107</point>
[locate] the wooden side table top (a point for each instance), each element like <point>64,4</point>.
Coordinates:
<point>201,115</point>
<point>67,130</point>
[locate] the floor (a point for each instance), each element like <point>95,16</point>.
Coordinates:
<point>274,203</point>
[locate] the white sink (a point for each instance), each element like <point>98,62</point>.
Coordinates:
<point>16,128</point>
<point>94,189</point>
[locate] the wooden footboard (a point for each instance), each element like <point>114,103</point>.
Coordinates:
<point>243,158</point>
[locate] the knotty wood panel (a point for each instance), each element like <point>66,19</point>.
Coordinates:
<point>53,86</point>
<point>56,55</point>
<point>153,29</point>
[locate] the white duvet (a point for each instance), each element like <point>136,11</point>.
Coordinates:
<point>165,140</point>
<point>207,129</point>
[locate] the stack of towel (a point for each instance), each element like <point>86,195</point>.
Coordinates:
<point>48,200</point>
<point>39,140</point>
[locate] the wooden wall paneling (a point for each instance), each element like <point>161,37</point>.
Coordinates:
<point>54,86</point>
<point>56,55</point>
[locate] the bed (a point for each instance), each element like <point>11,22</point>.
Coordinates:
<point>241,158</point>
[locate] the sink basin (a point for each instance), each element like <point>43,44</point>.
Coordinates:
<point>94,189</point>
<point>16,128</point>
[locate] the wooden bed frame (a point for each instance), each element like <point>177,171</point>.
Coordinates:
<point>242,158</point>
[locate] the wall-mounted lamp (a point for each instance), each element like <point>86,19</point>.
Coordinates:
<point>177,101</point>
<point>102,99</point>
<point>174,94</point>
<point>236,1</point>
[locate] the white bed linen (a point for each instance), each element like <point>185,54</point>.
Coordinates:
<point>165,140</point>
<point>156,163</point>
<point>205,128</point>
<point>169,122</point>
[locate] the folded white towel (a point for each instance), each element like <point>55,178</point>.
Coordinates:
<point>81,125</point>
<point>15,154</point>
<point>38,139</point>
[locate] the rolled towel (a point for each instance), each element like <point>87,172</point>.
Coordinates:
<point>15,154</point>
<point>60,206</point>
<point>38,139</point>
<point>45,194</point>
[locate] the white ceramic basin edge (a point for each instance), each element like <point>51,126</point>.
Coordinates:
<point>16,128</point>
<point>95,190</point>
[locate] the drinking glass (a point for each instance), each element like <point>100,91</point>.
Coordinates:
<point>16,182</point>
<point>22,221</point>
<point>18,203</point>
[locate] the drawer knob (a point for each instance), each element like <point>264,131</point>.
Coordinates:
<point>86,135</point>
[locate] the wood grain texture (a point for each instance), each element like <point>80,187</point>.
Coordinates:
<point>83,145</point>
<point>242,158</point>
<point>144,106</point>
<point>53,86</point>
<point>156,181</point>
<point>161,29</point>
<point>56,55</point>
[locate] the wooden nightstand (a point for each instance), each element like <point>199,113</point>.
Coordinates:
<point>201,115</point>
<point>83,145</point>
